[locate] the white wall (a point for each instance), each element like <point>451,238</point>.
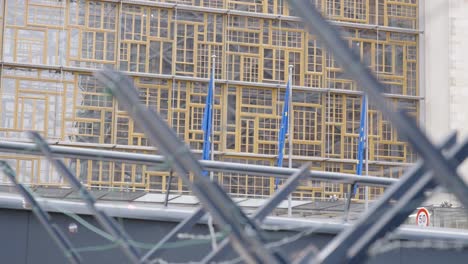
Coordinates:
<point>458,51</point>
<point>444,71</point>
<point>435,69</point>
<point>459,72</point>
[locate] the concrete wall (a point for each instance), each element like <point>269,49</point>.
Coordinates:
<point>444,71</point>
<point>458,50</point>
<point>435,67</point>
<point>24,240</point>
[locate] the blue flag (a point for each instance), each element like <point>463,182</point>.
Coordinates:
<point>362,141</point>
<point>283,131</point>
<point>207,122</point>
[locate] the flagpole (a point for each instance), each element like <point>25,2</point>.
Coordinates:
<point>213,61</point>
<point>290,136</point>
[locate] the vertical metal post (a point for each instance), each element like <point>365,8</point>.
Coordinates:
<point>4,9</point>
<point>213,63</point>
<point>348,202</point>
<point>168,188</point>
<point>290,134</point>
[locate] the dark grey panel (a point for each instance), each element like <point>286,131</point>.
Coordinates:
<point>97,194</point>
<point>52,192</point>
<point>24,240</point>
<point>14,235</point>
<point>8,189</point>
<point>123,196</point>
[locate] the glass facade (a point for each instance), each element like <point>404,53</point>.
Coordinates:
<point>50,49</point>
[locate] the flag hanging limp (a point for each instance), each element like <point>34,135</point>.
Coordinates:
<point>284,128</point>
<point>207,122</point>
<point>362,140</point>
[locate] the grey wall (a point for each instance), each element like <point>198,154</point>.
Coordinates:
<point>24,240</point>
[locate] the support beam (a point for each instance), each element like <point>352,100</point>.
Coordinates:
<point>108,223</point>
<point>225,212</point>
<point>44,218</point>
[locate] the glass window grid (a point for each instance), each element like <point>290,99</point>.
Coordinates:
<point>97,24</point>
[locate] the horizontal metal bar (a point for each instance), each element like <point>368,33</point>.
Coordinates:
<point>132,148</point>
<point>198,79</point>
<point>217,166</point>
<point>177,214</point>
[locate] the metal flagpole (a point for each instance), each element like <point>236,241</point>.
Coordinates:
<point>213,59</point>
<point>290,136</point>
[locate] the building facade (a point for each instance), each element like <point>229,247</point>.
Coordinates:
<point>50,49</point>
